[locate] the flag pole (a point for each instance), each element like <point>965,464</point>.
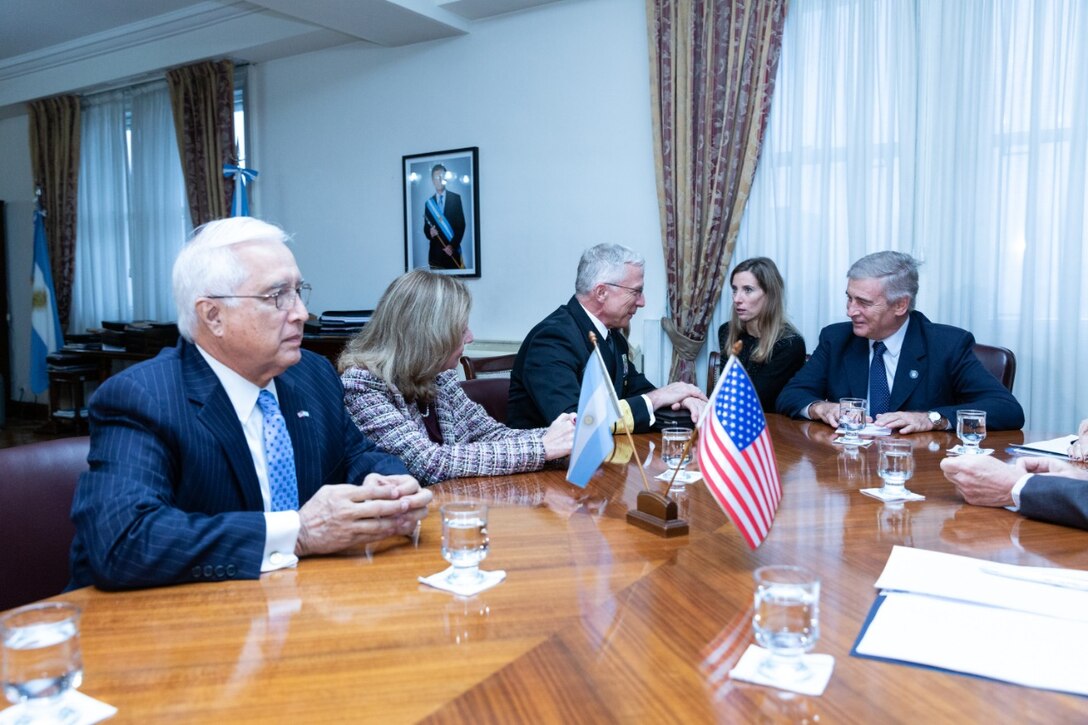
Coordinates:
<point>616,403</point>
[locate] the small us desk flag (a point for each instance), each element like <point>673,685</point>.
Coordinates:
<point>736,456</point>
<point>45,334</point>
<point>597,411</point>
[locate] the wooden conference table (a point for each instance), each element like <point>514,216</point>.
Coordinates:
<point>598,621</point>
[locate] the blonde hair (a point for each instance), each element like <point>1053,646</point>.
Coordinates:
<point>772,321</point>
<point>420,321</point>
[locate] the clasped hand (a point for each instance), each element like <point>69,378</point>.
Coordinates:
<point>680,395</point>
<point>343,515</point>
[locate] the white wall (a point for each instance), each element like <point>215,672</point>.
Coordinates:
<point>556,99</point>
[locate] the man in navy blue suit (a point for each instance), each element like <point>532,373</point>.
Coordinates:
<point>190,461</point>
<point>915,373</point>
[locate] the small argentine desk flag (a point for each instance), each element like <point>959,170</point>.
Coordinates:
<point>597,411</point>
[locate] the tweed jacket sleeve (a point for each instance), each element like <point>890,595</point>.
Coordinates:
<point>474,443</point>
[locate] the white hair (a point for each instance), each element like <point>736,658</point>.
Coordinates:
<point>207,264</point>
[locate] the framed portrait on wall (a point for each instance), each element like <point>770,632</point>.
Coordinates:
<point>442,211</point>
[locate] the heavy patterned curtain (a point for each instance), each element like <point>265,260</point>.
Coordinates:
<point>712,66</point>
<point>953,131</point>
<point>202,96</point>
<point>54,158</point>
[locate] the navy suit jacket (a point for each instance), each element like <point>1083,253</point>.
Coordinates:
<point>172,494</point>
<point>1057,499</point>
<point>937,370</point>
<point>547,375</point>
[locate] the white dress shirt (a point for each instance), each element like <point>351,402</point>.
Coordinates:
<point>281,527</point>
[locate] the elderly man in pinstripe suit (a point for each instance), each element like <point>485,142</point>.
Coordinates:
<point>191,459</point>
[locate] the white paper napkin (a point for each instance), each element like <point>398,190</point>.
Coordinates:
<point>682,477</point>
<point>822,666</point>
<point>860,443</point>
<point>960,451</point>
<point>76,709</point>
<point>889,497</point>
<point>488,580</point>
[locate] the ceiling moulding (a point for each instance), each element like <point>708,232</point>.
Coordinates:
<point>481,9</point>
<point>168,25</point>
<point>219,33</point>
<point>390,23</point>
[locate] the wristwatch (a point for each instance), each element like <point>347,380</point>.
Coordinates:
<point>937,420</point>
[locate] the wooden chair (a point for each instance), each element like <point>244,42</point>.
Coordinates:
<point>1000,361</point>
<point>36,530</point>
<point>492,393</point>
<point>494,364</point>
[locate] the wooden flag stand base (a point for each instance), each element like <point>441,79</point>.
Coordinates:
<point>657,514</point>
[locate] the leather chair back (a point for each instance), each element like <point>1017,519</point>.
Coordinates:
<point>1000,361</point>
<point>492,393</point>
<point>473,366</point>
<point>37,484</point>
<point>713,362</point>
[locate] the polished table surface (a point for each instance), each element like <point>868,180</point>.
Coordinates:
<point>597,621</point>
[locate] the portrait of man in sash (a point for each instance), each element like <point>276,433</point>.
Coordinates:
<point>442,212</point>
<point>444,223</point>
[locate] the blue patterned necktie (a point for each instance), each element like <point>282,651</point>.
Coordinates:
<point>880,398</point>
<point>279,456</point>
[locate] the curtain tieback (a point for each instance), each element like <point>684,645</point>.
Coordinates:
<point>686,347</point>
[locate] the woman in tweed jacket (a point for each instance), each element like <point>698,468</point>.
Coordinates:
<point>401,389</point>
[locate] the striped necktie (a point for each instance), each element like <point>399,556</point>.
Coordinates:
<point>880,398</point>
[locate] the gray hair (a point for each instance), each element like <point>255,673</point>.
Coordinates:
<point>897,271</point>
<point>604,264</point>
<point>207,264</point>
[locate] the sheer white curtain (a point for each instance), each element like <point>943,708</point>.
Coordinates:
<point>132,211</point>
<point>159,214</point>
<point>955,132</point>
<point>100,290</point>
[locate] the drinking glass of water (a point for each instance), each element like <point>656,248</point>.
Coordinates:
<point>787,620</point>
<point>852,419</point>
<point>41,656</point>
<point>895,467</point>
<point>675,451</point>
<point>971,429</point>
<point>464,540</point>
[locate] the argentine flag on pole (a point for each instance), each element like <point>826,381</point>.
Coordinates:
<point>597,411</point>
<point>45,334</point>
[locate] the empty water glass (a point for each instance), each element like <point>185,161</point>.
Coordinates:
<point>971,429</point>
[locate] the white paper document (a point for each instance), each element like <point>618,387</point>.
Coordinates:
<point>1020,624</point>
<point>1026,649</point>
<point>981,582</point>
<point>1058,447</point>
